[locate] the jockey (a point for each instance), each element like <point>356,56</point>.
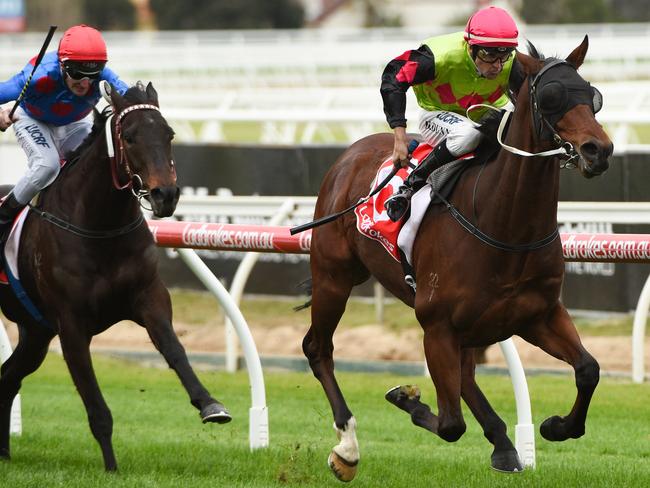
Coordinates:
<point>448,73</point>
<point>54,117</point>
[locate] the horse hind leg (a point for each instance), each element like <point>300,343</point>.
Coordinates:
<point>76,352</point>
<point>504,457</point>
<point>26,358</point>
<point>560,339</point>
<point>329,297</point>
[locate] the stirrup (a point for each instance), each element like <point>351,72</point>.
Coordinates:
<point>396,206</point>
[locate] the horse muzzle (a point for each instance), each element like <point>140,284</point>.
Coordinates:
<point>163,200</point>
<point>595,158</point>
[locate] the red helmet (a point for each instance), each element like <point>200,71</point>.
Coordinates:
<point>491,27</point>
<point>82,43</point>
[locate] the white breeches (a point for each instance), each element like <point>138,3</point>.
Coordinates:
<point>460,133</point>
<point>45,145</point>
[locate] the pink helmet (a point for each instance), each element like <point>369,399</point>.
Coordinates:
<point>82,43</point>
<point>491,27</point>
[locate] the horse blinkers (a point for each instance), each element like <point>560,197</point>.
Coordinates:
<point>552,99</point>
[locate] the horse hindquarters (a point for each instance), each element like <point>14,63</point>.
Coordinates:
<point>153,312</point>
<point>559,338</point>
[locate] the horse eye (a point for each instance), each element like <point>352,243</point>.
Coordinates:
<point>553,97</point>
<point>129,138</point>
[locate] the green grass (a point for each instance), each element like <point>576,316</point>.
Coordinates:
<point>160,442</point>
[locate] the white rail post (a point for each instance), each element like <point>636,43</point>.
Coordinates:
<point>258,414</point>
<point>524,430</point>
<point>16,424</point>
<point>638,333</point>
<point>239,283</point>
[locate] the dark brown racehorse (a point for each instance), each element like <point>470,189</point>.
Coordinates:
<point>87,260</point>
<point>471,292</point>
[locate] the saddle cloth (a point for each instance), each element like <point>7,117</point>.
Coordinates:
<point>11,248</point>
<point>372,219</point>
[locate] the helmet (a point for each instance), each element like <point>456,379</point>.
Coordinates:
<point>491,27</point>
<point>82,43</point>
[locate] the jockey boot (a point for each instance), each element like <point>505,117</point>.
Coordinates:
<point>9,209</point>
<point>397,205</point>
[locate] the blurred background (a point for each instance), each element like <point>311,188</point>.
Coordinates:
<point>265,94</point>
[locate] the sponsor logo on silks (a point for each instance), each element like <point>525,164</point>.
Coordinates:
<point>37,136</point>
<point>448,118</point>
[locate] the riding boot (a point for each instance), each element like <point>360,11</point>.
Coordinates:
<point>397,205</point>
<point>9,209</point>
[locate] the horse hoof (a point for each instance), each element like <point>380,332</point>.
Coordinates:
<point>215,412</point>
<point>4,454</point>
<point>342,469</point>
<point>506,462</point>
<point>555,429</point>
<point>400,394</point>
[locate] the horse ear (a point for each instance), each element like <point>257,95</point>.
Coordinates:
<point>117,101</point>
<point>577,57</point>
<point>152,94</point>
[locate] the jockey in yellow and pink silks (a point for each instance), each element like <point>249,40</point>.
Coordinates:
<point>448,73</point>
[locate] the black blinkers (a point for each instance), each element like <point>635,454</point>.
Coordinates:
<point>551,98</point>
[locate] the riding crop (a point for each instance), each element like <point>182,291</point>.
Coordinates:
<point>38,60</point>
<point>329,218</point>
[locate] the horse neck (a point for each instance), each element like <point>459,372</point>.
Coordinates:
<point>96,200</point>
<point>524,190</point>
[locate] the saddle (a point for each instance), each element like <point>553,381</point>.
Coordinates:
<point>397,237</point>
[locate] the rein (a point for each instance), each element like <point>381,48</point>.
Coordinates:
<point>90,234</point>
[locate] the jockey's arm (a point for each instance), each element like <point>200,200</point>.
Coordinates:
<point>411,68</point>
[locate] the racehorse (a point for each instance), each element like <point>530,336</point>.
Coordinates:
<point>474,288</point>
<point>88,260</point>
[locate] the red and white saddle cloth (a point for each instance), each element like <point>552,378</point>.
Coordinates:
<point>372,219</point>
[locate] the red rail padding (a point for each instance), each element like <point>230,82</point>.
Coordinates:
<point>609,248</point>
<point>229,237</point>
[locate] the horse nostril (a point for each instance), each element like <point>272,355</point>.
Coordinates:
<point>166,194</point>
<point>589,151</point>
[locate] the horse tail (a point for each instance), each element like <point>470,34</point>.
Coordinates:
<point>305,287</point>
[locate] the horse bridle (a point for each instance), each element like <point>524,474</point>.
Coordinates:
<point>545,120</point>
<point>542,126</point>
<point>119,159</point>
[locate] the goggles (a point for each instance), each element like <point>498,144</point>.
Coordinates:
<point>491,54</point>
<point>78,71</point>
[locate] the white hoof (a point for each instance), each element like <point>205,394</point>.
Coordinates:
<point>342,469</point>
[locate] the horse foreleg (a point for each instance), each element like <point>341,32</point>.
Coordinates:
<point>328,304</point>
<point>504,457</point>
<point>76,352</point>
<point>560,339</point>
<point>154,314</point>
<point>26,358</point>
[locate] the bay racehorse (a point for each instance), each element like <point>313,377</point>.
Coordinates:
<point>87,260</point>
<point>471,291</point>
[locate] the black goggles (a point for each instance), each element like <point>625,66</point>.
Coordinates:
<point>80,71</point>
<point>492,54</point>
